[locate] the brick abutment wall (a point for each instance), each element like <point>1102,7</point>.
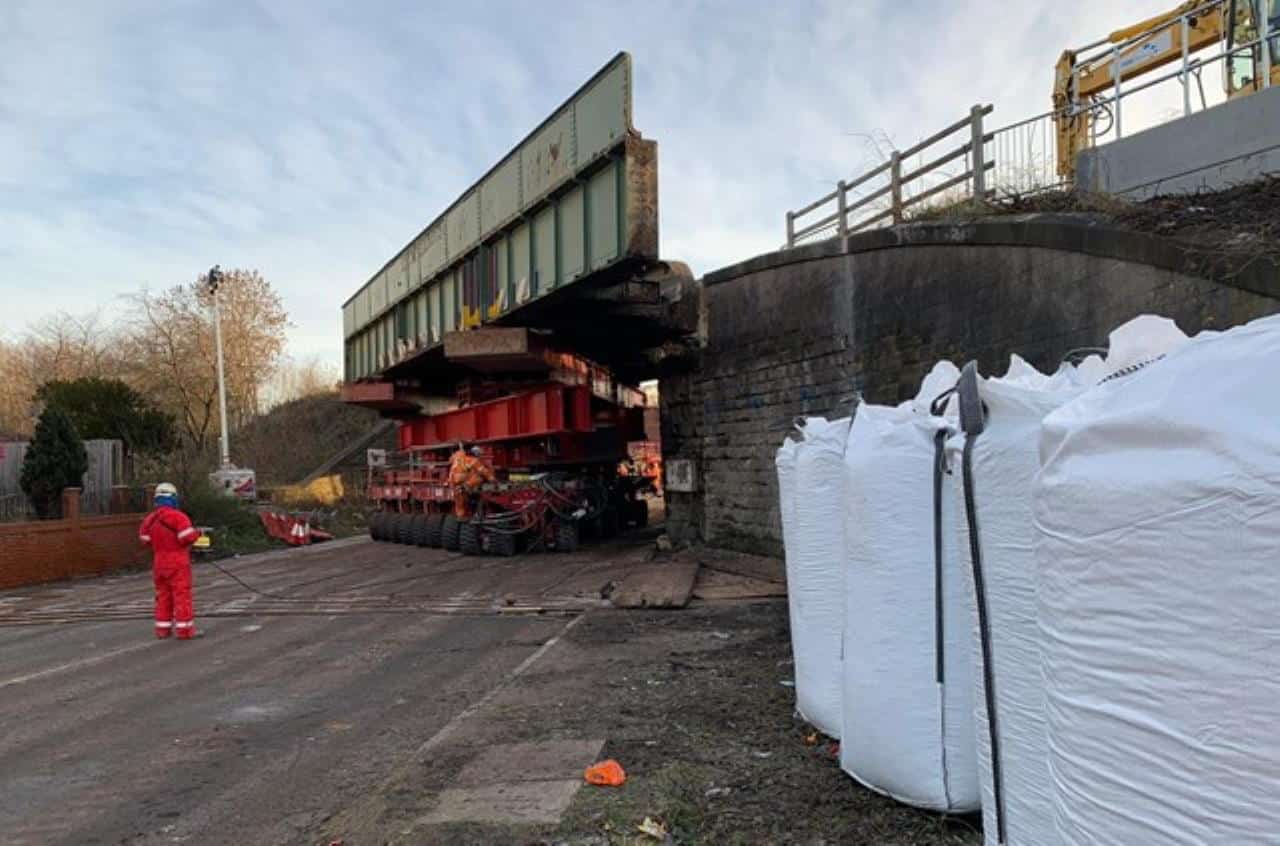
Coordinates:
<point>73,547</point>
<point>810,331</point>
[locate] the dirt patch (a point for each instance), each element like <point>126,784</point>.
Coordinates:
<point>715,752</point>
<point>695,708</point>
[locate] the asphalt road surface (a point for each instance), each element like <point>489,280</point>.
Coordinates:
<point>306,687</point>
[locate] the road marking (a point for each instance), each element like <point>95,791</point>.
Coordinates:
<point>73,665</point>
<point>452,726</point>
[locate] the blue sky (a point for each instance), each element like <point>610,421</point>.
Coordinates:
<point>141,142</point>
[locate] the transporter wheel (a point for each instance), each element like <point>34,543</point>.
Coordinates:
<point>449,533</point>
<point>469,538</point>
<point>567,536</point>
<point>387,527</point>
<point>404,523</point>
<point>435,525</point>
<point>502,543</point>
<point>375,525</point>
<point>418,530</point>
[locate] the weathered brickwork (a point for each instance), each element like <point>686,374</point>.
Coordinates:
<point>815,336</point>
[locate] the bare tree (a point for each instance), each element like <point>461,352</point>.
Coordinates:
<point>296,379</point>
<point>17,392</point>
<point>61,346</point>
<point>66,346</point>
<point>170,349</point>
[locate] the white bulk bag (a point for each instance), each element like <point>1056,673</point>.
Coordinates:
<point>815,575</point>
<point>785,463</point>
<point>1004,458</point>
<point>908,696</point>
<point>1157,511</point>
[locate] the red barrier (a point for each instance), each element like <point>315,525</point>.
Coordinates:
<point>293,530</point>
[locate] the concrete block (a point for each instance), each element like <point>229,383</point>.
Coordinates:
<point>521,803</point>
<point>1230,143</point>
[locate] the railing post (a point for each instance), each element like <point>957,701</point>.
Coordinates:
<point>791,230</point>
<point>842,206</point>
<point>1115,74</point>
<point>895,184</point>
<point>1264,31</point>
<point>1185,25</point>
<point>977,152</point>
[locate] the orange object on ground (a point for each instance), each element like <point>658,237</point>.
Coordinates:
<point>606,774</point>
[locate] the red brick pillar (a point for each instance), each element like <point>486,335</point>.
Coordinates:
<point>71,505</point>
<point>71,537</point>
<point>119,499</point>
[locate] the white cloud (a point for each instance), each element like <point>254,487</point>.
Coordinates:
<point>141,142</point>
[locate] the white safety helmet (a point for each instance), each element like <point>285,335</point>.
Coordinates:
<point>166,489</point>
<point>476,451</point>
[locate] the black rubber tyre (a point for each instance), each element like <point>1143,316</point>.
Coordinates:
<point>449,533</point>
<point>567,536</point>
<point>418,530</point>
<point>502,543</point>
<point>469,538</point>
<point>610,523</point>
<point>404,523</point>
<point>435,523</point>
<point>375,525</point>
<point>385,519</point>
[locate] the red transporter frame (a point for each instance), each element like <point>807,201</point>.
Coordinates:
<point>555,450</point>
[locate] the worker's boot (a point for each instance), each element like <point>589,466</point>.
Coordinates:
<point>163,630</point>
<point>185,631</point>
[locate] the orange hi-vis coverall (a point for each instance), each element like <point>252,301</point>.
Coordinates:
<point>170,534</point>
<point>466,475</point>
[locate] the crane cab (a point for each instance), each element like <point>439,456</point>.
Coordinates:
<point>1245,66</point>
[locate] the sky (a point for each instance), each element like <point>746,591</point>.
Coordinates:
<point>143,142</point>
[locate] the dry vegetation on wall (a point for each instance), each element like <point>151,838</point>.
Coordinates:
<point>1225,231</point>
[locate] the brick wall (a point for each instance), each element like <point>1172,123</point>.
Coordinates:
<point>51,550</point>
<point>806,333</point>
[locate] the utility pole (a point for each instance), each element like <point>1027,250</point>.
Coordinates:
<point>213,282</point>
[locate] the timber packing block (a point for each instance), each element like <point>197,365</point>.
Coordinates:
<point>665,584</point>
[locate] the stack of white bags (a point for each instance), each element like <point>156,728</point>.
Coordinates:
<point>1054,597</point>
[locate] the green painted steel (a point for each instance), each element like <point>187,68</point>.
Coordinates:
<point>602,202</point>
<point>553,210</point>
<point>570,228</point>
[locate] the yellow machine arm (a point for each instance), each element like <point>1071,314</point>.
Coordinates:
<point>1154,43</point>
<point>1076,81</point>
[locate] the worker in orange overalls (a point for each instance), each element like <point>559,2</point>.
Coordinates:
<point>467,474</point>
<point>169,533</point>
<point>655,473</point>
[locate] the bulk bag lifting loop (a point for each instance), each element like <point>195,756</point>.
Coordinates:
<point>972,422</point>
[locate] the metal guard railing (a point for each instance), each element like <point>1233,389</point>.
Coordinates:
<point>1017,159</point>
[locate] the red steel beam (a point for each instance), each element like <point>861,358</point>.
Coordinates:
<point>554,409</point>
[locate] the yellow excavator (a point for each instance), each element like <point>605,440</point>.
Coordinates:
<point>1128,53</point>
